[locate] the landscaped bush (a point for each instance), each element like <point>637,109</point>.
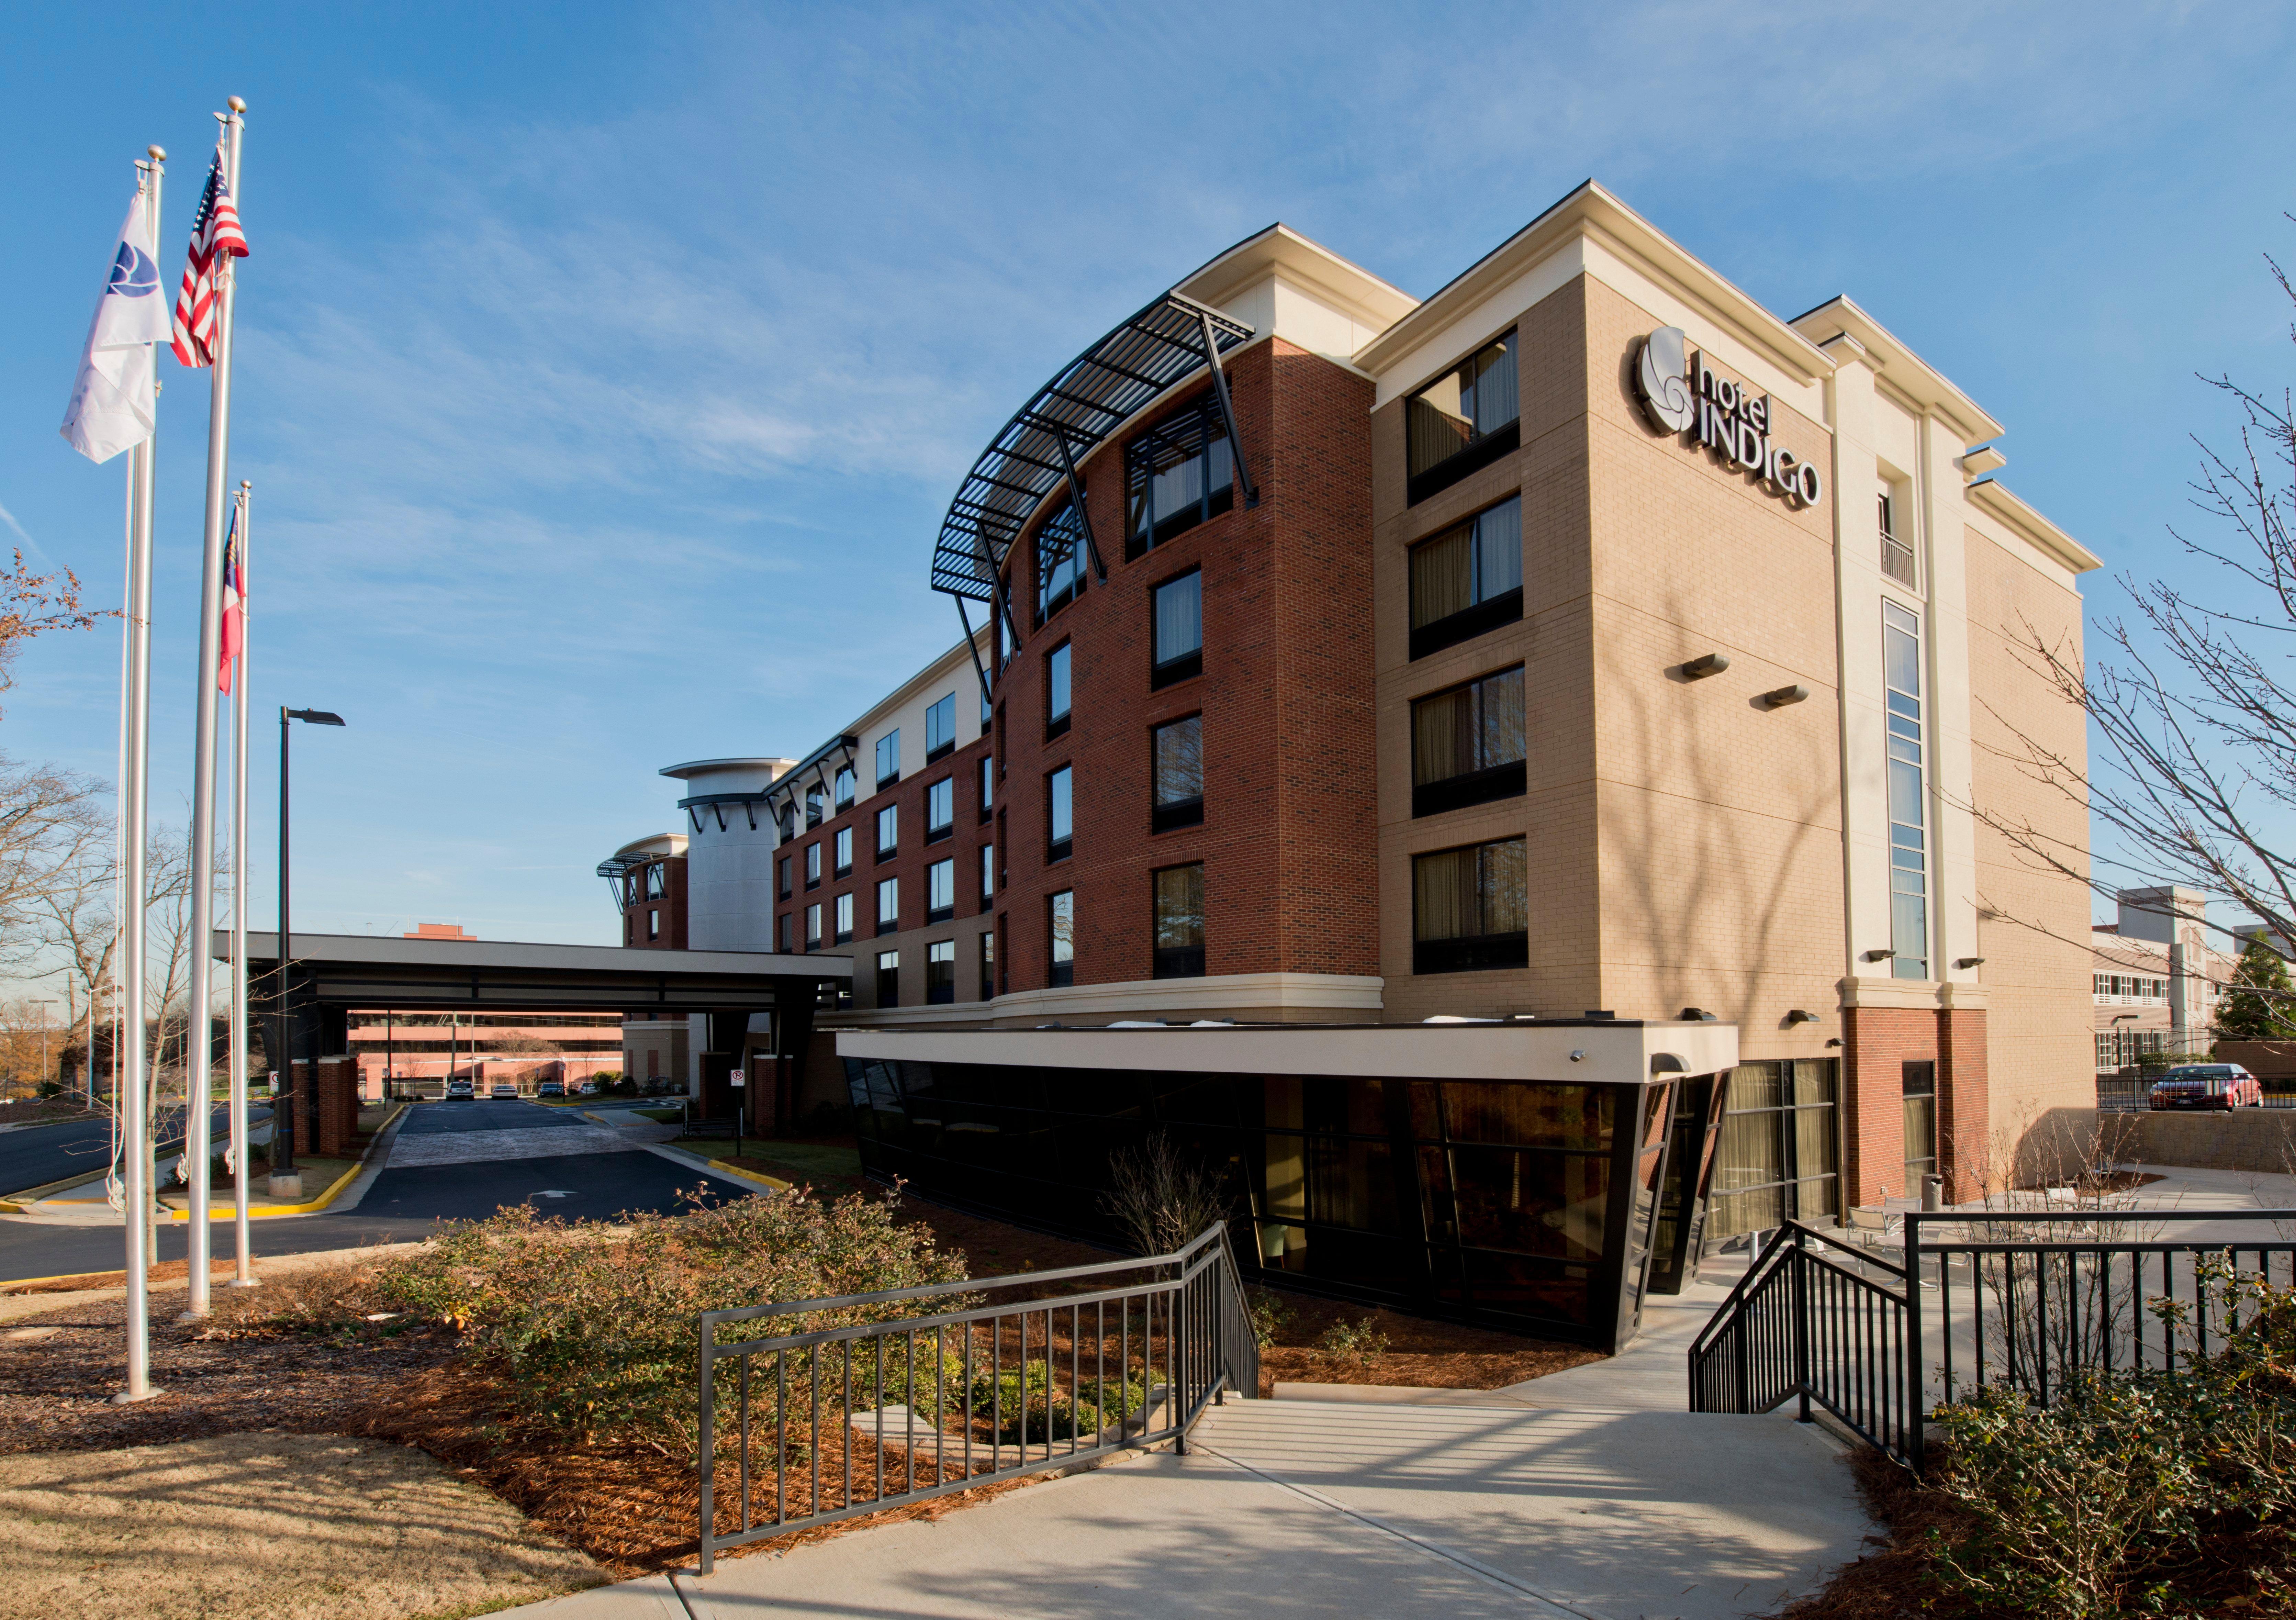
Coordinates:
<point>1025,1404</point>
<point>1360,1342</point>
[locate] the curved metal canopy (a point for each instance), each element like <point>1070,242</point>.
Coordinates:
<point>1062,423</point>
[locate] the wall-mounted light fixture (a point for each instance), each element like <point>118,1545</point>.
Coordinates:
<point>1876,956</point>
<point>1784,695</point>
<point>1697,1014</point>
<point>1965,963</point>
<point>1800,1016</point>
<point>1835,1041</point>
<point>1699,668</point>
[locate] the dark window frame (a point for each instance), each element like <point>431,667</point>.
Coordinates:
<point>1470,952</point>
<point>947,744</point>
<point>941,832</point>
<point>940,914</point>
<point>1197,426</point>
<point>1059,975</point>
<point>1059,847</point>
<point>944,992</point>
<point>1064,532</point>
<point>1179,961</point>
<point>1169,815</point>
<point>887,852</point>
<point>885,779</point>
<point>1183,666</point>
<point>1480,617</point>
<point>1479,451</point>
<point>841,903</point>
<point>813,865</point>
<point>1484,785</point>
<point>841,867</point>
<point>888,924</point>
<point>1057,725</point>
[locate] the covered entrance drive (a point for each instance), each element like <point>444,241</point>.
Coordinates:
<point>733,992</point>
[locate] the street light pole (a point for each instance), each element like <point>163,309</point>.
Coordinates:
<point>43,1003</point>
<point>282,1107</point>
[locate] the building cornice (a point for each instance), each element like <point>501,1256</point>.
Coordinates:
<point>1281,250</point>
<point>2031,527</point>
<point>1914,379</point>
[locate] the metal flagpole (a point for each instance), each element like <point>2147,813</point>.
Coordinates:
<point>132,1092</point>
<point>198,1069</point>
<point>243,1277</point>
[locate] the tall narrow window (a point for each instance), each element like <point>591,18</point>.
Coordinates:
<point>844,917</point>
<point>1180,921</point>
<point>782,867</point>
<point>1471,908</point>
<point>813,806</point>
<point>1468,579</point>
<point>1463,421</point>
<point>844,788</point>
<point>889,905</point>
<point>813,866</point>
<point>1177,771</point>
<point>940,891</point>
<point>1920,1124</point>
<point>888,830</point>
<point>940,728</point>
<point>1056,690</point>
<point>653,880</point>
<point>987,785</point>
<point>888,978</point>
<point>1909,902</point>
<point>789,931</point>
<point>988,874</point>
<point>1178,608</point>
<point>940,809</point>
<point>1062,912</point>
<point>1180,473</point>
<point>1467,745</point>
<point>889,758</point>
<point>940,972</point>
<point>653,924</point>
<point>1060,814</point>
<point>813,926</point>
<point>988,965</point>
<point>1897,554</point>
<point>843,843</point>
<point>1060,562</point>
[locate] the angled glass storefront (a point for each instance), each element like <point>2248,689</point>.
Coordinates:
<point>1529,1205</point>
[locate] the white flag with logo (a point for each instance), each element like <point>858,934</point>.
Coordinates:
<point>113,403</point>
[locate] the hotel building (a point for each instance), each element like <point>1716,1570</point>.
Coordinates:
<point>1504,779</point>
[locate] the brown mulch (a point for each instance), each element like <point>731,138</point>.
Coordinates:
<point>165,1272</point>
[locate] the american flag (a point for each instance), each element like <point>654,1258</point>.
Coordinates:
<point>215,234</point>
<point>234,607</point>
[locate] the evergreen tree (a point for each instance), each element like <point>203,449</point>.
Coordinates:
<point>2258,1004</point>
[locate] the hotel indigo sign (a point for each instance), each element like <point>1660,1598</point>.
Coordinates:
<point>1683,396</point>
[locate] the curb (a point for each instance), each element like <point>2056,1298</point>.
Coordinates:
<point>309,1206</point>
<point>775,1182</point>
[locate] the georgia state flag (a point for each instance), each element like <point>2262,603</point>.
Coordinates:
<point>112,404</point>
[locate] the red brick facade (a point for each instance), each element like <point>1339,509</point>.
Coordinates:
<point>657,923</point>
<point>1879,1041</point>
<point>327,1115</point>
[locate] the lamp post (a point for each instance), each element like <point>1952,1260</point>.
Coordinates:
<point>282,1107</point>
<point>43,1003</point>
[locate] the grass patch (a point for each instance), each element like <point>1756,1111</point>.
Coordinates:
<point>802,1161</point>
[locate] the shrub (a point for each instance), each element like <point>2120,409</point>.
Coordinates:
<point>1025,1405</point>
<point>1270,1315</point>
<point>1160,1200</point>
<point>1359,1342</point>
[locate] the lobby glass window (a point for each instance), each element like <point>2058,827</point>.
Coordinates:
<point>813,866</point>
<point>1061,909</point>
<point>1060,811</point>
<point>1909,903</point>
<point>940,891</point>
<point>1056,690</point>
<point>1177,772</point>
<point>844,912</point>
<point>843,793</point>
<point>843,851</point>
<point>1467,580</point>
<point>988,965</point>
<point>1777,1160</point>
<point>813,927</point>
<point>1467,745</point>
<point>1897,555</point>
<point>889,905</point>
<point>988,872</point>
<point>1471,908</point>
<point>813,806</point>
<point>1920,1085</point>
<point>940,972</point>
<point>1060,562</point>
<point>888,830</point>
<point>1178,613</point>
<point>940,809</point>
<point>1463,421</point>
<point>941,728</point>
<point>987,785</point>
<point>888,978</point>
<point>782,865</point>
<point>1180,473</point>
<point>1179,921</point>
<point>889,758</point>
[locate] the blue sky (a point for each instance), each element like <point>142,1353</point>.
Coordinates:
<point>604,371</point>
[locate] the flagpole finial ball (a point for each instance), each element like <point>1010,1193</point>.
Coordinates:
<point>159,153</point>
<point>236,104</point>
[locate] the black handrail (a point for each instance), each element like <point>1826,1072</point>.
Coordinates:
<point>994,1413</point>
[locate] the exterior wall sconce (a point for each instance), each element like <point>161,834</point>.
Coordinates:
<point>1965,963</point>
<point>1697,1014</point>
<point>1699,668</point>
<point>1799,1015</point>
<point>1784,695</point>
<point>1835,1041</point>
<point>1876,956</point>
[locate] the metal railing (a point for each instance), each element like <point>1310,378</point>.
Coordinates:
<point>1804,1324</point>
<point>944,1392</point>
<point>2128,1092</point>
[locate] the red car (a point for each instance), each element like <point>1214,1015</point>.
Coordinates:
<point>2208,1085</point>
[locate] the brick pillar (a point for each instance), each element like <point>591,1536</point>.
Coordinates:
<point>1877,1043</point>
<point>338,1106</point>
<point>306,1131</point>
<point>1965,1104</point>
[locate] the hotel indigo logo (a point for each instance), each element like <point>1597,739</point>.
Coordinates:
<point>1683,395</point>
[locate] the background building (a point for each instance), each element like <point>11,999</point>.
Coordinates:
<point>2156,979</point>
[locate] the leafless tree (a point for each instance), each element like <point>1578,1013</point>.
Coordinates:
<point>168,911</point>
<point>2195,778</point>
<point>79,926</point>
<point>50,823</point>
<point>32,604</point>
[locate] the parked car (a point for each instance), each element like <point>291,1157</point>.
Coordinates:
<point>551,1087</point>
<point>2207,1085</point>
<point>504,1091</point>
<point>460,1090</point>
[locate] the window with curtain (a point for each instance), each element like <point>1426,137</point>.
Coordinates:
<point>1909,904</point>
<point>1467,745</point>
<point>940,809</point>
<point>940,728</point>
<point>1056,690</point>
<point>1060,814</point>
<point>1471,908</point>
<point>844,917</point>
<point>1464,420</point>
<point>844,850</point>
<point>1777,1159</point>
<point>1178,473</point>
<point>889,905</point>
<point>1060,562</point>
<point>1179,920</point>
<point>1061,911</point>
<point>1467,580</point>
<point>1178,607</point>
<point>940,971</point>
<point>940,891</point>
<point>1177,772</point>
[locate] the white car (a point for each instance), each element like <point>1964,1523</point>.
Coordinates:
<point>461,1090</point>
